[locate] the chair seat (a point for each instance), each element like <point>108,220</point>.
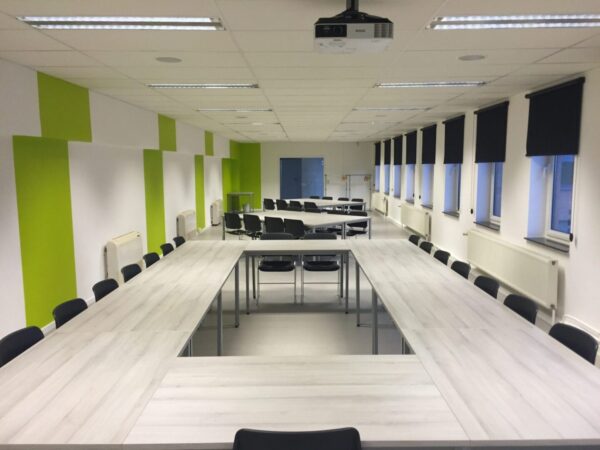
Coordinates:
<point>353,232</point>
<point>276,266</point>
<point>236,232</point>
<point>321,266</point>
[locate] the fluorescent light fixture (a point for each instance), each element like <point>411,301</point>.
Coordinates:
<point>431,84</point>
<point>390,108</point>
<point>123,23</point>
<point>203,85</point>
<point>242,110</point>
<point>521,21</point>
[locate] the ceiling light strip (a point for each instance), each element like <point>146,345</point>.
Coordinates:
<point>428,84</point>
<point>391,108</point>
<point>123,23</point>
<point>203,85</point>
<point>245,110</point>
<point>516,21</point>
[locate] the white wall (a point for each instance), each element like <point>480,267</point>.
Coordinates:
<point>213,184</point>
<point>190,139</point>
<point>19,105</point>
<point>179,187</point>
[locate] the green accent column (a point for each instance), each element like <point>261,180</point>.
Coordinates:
<point>209,145</point>
<point>231,181</point>
<point>248,156</point>
<point>167,133</point>
<point>45,225</point>
<point>64,109</point>
<point>199,165</point>
<point>155,199</point>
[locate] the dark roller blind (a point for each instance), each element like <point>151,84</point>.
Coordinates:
<point>377,153</point>
<point>555,119</point>
<point>490,145</point>
<point>387,158</point>
<point>398,151</point>
<point>428,156</point>
<point>454,140</point>
<point>411,147</point>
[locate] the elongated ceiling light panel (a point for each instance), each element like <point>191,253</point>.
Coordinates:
<point>522,21</point>
<point>430,84</point>
<point>123,23</point>
<point>390,108</point>
<point>245,110</point>
<point>203,85</point>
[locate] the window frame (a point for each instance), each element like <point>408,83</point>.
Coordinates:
<point>550,172</point>
<point>397,180</point>
<point>410,172</point>
<point>493,218</point>
<point>430,169</point>
<point>456,186</point>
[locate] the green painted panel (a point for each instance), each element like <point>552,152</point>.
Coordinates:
<point>167,133</point>
<point>155,199</point>
<point>200,216</point>
<point>45,225</point>
<point>64,109</point>
<point>250,171</point>
<point>226,180</point>
<point>209,145</point>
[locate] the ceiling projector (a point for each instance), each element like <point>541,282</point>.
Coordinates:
<point>353,31</point>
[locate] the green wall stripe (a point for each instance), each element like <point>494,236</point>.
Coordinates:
<point>45,225</point>
<point>230,173</point>
<point>248,156</point>
<point>200,216</point>
<point>209,143</point>
<point>167,133</point>
<point>155,199</point>
<point>64,109</point>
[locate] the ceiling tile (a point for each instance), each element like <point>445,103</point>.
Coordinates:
<point>23,40</point>
<point>49,58</point>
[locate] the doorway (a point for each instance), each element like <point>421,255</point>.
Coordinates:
<point>301,177</point>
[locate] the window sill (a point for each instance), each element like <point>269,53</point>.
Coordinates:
<point>558,246</point>
<point>452,213</point>
<point>427,206</point>
<point>490,225</point>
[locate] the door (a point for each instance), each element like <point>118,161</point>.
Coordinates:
<point>359,186</point>
<point>301,177</point>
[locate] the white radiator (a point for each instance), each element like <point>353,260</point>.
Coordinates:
<point>378,202</point>
<point>416,219</point>
<point>186,224</point>
<point>216,212</point>
<point>527,272</point>
<point>121,251</point>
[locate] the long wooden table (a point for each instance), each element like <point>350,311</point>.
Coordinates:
<point>481,375</point>
<point>321,203</point>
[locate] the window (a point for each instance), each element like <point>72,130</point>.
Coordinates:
<point>376,178</point>
<point>488,208</point>
<point>411,160</point>
<point>560,196</point>
<point>397,180</point>
<point>452,191</point>
<point>410,183</point>
<point>496,200</point>
<point>387,160</point>
<point>377,166</point>
<point>453,158</point>
<point>429,139</point>
<point>398,140</point>
<point>427,185</point>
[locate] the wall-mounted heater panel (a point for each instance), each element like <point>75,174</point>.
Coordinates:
<point>417,219</point>
<point>186,224</point>
<point>525,271</point>
<point>216,212</point>
<point>121,251</point>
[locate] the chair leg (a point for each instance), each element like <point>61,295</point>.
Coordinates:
<point>301,284</point>
<point>257,286</point>
<point>295,283</point>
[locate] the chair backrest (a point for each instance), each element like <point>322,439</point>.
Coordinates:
<point>166,248</point>
<point>316,197</point>
<point>103,288</point>
<point>442,256</point>
<point>413,238</point>
<point>461,268</point>
<point>426,246</point>
<point>268,204</point>
<point>295,204</point>
<point>274,225</point>
<point>151,258</point>
<point>281,204</point>
<point>179,241</point>
<point>343,199</point>
<point>523,306</point>
<point>276,237</point>
<point>337,211</point>
<point>327,198</point>
<point>357,207</point>
<point>364,224</point>
<point>130,271</point>
<point>233,221</point>
<point>67,310</point>
<point>488,285</point>
<point>252,223</point>
<point>15,343</point>
<point>340,439</point>
<point>294,227</point>
<point>312,210</point>
<point>310,205</point>
<point>321,236</point>
<point>577,340</point>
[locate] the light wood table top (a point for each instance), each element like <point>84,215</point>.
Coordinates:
<point>312,220</point>
<point>326,203</point>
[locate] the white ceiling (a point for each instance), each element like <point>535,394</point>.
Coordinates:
<point>312,95</point>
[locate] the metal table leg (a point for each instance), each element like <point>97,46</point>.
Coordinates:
<point>223,226</point>
<point>344,230</point>
<point>237,294</point>
<point>253,277</point>
<point>220,324</point>
<point>341,278</point>
<point>374,325</point>
<point>357,293</point>
<point>347,278</point>
<point>247,285</point>
<point>369,227</point>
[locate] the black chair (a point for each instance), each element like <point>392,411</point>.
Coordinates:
<point>488,285</point>
<point>357,228</point>
<point>151,258</point>
<point>357,207</point>
<point>282,205</point>
<point>294,227</point>
<point>461,268</point>
<point>340,439</point>
<point>312,210</point>
<point>179,241</point>
<point>316,197</point>
<point>284,263</point>
<point>577,340</point>
<point>327,198</point>
<point>523,306</point>
<point>67,310</point>
<point>130,271</point>
<point>268,204</point>
<point>319,263</point>
<point>252,225</point>
<point>414,239</point>
<point>103,288</point>
<point>310,205</point>
<point>426,246</point>
<point>274,225</point>
<point>336,229</point>
<point>295,206</point>
<point>233,224</point>
<point>166,248</point>
<point>343,199</point>
<point>442,256</point>
<point>15,343</point>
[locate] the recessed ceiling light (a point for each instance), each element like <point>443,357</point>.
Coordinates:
<point>241,110</point>
<point>524,21</point>
<point>391,108</point>
<point>430,84</point>
<point>168,59</point>
<point>203,85</point>
<point>257,124</point>
<point>123,23</point>
<point>471,57</point>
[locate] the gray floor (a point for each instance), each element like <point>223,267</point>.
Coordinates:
<point>278,326</point>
